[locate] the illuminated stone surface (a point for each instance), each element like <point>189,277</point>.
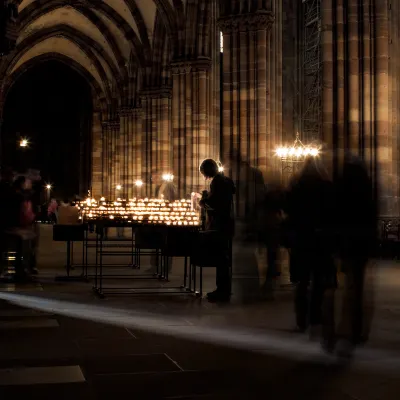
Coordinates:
<point>155,69</point>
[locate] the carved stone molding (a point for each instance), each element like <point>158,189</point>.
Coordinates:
<point>110,125</point>
<point>156,93</point>
<point>125,111</point>
<point>182,67</point>
<point>138,112</point>
<point>130,111</point>
<point>246,22</point>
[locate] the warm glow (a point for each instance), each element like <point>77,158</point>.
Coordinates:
<point>168,177</point>
<point>139,183</point>
<point>142,211</point>
<point>102,199</point>
<point>296,152</point>
<point>23,143</point>
<point>48,187</point>
<point>118,187</point>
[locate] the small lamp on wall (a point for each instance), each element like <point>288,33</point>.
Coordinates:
<point>48,190</point>
<point>24,143</point>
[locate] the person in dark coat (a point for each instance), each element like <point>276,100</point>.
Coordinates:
<point>218,204</point>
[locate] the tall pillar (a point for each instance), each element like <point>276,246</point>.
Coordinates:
<point>116,178</point>
<point>249,74</point>
<point>106,162</point>
<point>111,159</point>
<point>192,136</point>
<point>130,145</point>
<point>356,98</point>
<point>97,183</point>
<point>157,145</point>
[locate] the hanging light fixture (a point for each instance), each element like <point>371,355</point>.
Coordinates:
<point>297,152</point>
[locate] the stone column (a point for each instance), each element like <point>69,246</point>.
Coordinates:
<point>249,126</point>
<point>106,162</point>
<point>111,159</point>
<point>394,95</point>
<point>138,138</point>
<point>115,160</point>
<point>157,145</point>
<point>191,130</point>
<point>98,182</point>
<point>130,144</point>
<point>356,97</point>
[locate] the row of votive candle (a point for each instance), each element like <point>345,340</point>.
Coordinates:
<point>152,211</point>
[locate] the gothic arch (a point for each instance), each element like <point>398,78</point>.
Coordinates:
<point>34,11</point>
<point>138,17</point>
<point>199,17</point>
<point>99,99</point>
<point>84,43</point>
<point>92,17</point>
<point>170,19</point>
<point>160,41</point>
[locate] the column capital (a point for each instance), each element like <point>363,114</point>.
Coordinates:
<point>125,111</point>
<point>156,93</point>
<point>181,67</point>
<point>246,22</point>
<point>110,124</point>
<point>130,111</point>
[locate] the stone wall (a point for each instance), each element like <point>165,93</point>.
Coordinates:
<point>359,109</point>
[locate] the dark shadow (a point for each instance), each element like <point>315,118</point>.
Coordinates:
<point>50,105</point>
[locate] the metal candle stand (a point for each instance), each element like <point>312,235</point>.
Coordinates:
<point>112,244</point>
<point>69,234</point>
<point>164,242</point>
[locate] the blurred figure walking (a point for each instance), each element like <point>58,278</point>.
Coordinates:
<point>357,229</point>
<point>273,210</point>
<point>309,207</point>
<point>250,224</point>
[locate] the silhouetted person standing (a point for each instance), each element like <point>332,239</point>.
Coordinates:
<point>218,203</point>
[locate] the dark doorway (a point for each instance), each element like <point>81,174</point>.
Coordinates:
<point>51,106</point>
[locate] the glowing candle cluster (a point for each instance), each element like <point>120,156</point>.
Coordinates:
<point>142,211</point>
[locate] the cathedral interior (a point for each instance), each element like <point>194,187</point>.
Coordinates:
<point>173,82</point>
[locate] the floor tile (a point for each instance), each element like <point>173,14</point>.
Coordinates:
<point>129,364</point>
<point>26,323</point>
<point>41,375</point>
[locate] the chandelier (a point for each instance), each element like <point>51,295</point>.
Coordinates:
<point>297,152</point>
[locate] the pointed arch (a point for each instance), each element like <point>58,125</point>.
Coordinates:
<point>35,10</point>
<point>64,31</point>
<point>98,95</point>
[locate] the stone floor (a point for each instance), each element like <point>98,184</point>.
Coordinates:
<point>58,340</point>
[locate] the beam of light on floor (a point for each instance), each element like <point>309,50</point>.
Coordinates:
<point>299,348</point>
